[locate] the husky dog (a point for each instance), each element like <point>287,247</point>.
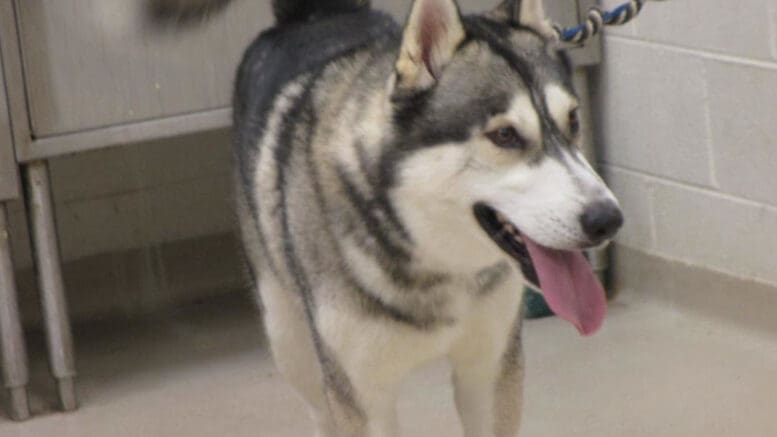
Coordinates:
<point>397,187</point>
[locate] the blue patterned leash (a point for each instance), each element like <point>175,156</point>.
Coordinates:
<point>597,19</point>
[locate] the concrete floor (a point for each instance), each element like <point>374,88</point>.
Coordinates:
<point>203,371</point>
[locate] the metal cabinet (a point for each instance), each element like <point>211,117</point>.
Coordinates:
<point>96,63</point>
<point>85,74</point>
<point>103,72</point>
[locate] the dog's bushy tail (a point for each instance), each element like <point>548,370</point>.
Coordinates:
<point>289,11</point>
<point>285,11</point>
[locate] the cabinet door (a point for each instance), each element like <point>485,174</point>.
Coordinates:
<point>98,63</point>
<point>9,182</point>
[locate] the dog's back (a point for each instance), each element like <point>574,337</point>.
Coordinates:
<point>290,88</point>
<point>294,48</point>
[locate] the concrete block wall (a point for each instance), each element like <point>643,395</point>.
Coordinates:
<point>686,104</point>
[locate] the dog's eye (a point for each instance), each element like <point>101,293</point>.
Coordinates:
<point>507,138</point>
<point>574,122</point>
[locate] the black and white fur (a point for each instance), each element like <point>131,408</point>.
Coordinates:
<point>361,148</point>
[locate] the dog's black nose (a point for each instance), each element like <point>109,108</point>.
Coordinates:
<point>601,220</point>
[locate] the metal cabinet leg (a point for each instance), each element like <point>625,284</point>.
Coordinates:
<point>12,352</point>
<point>52,290</point>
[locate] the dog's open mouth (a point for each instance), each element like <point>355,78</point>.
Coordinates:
<point>509,239</point>
<point>564,276</point>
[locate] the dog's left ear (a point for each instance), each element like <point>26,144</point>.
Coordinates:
<point>529,13</point>
<point>432,34</point>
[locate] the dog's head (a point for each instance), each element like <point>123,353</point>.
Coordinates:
<point>486,109</point>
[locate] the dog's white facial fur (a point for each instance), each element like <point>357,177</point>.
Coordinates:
<point>543,194</point>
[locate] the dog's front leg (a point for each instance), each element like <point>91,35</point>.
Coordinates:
<point>363,364</point>
<point>361,412</point>
<point>489,394</point>
<point>488,370</point>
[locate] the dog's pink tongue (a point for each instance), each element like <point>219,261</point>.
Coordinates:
<point>569,286</point>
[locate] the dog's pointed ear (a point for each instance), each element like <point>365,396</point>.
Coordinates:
<point>529,13</point>
<point>507,11</point>
<point>432,34</point>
